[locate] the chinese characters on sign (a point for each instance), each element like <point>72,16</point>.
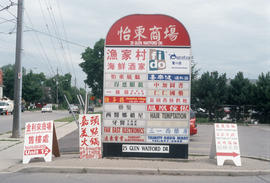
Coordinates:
<point>90,136</point>
<point>226,143</point>
<point>38,141</point>
<point>146,84</point>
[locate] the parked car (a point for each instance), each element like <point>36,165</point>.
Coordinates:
<point>193,125</point>
<point>91,108</point>
<point>74,108</point>
<point>46,108</point>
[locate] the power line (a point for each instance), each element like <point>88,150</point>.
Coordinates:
<point>7,7</point>
<point>57,33</point>
<point>40,43</point>
<point>53,36</point>
<point>46,34</point>
<point>47,26</point>
<point>7,21</point>
<point>66,37</point>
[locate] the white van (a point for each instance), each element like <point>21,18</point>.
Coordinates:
<point>6,107</point>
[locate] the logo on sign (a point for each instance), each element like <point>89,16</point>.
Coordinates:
<point>157,60</point>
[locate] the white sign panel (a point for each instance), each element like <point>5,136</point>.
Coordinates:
<point>168,93</point>
<point>168,100</point>
<point>145,88</point>
<point>38,141</point>
<point>146,148</point>
<point>90,136</point>
<point>125,77</point>
<point>124,122</point>
<point>126,60</point>
<point>124,107</point>
<point>168,85</point>
<point>225,143</point>
<point>126,84</point>
<point>169,131</point>
<point>125,92</point>
<point>125,115</point>
<point>169,60</point>
<point>167,139</point>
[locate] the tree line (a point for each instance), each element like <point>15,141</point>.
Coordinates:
<point>37,88</point>
<point>211,91</point>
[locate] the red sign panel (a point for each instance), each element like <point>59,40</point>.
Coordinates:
<point>148,30</point>
<point>180,108</point>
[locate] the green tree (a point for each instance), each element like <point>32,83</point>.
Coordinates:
<point>262,97</point>
<point>62,84</point>
<point>8,80</point>
<point>211,92</point>
<point>194,84</point>
<point>32,90</point>
<point>93,67</point>
<point>239,95</point>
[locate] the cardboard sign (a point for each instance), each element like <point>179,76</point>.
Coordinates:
<point>40,141</point>
<point>225,144</point>
<point>90,136</point>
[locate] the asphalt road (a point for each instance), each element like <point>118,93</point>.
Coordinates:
<point>254,141</point>
<point>114,178</point>
<point>6,121</point>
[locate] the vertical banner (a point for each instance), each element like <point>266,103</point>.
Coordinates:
<point>225,144</point>
<point>146,88</point>
<point>90,136</point>
<point>38,140</point>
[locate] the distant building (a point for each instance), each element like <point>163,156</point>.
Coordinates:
<point>1,84</point>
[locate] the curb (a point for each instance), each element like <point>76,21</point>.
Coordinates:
<point>143,171</point>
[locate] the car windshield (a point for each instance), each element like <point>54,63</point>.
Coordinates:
<point>3,104</point>
<point>192,114</point>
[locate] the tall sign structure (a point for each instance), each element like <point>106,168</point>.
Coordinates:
<point>146,108</point>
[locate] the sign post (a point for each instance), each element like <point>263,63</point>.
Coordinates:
<point>146,108</point>
<point>225,144</point>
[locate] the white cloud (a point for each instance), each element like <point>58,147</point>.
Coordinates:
<point>227,35</point>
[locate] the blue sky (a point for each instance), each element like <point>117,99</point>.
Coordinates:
<point>226,35</point>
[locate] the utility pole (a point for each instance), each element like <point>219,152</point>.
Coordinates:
<point>16,129</point>
<point>85,103</point>
<point>57,101</point>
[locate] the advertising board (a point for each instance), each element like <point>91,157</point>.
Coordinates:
<point>146,86</point>
<point>38,140</point>
<point>90,136</point>
<point>225,144</point>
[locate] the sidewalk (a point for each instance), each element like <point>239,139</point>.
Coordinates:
<point>11,161</point>
<point>11,150</point>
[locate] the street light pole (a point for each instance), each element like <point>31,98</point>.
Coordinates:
<point>16,129</point>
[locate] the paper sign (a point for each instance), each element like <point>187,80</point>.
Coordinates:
<point>90,136</point>
<point>225,144</point>
<point>38,140</point>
